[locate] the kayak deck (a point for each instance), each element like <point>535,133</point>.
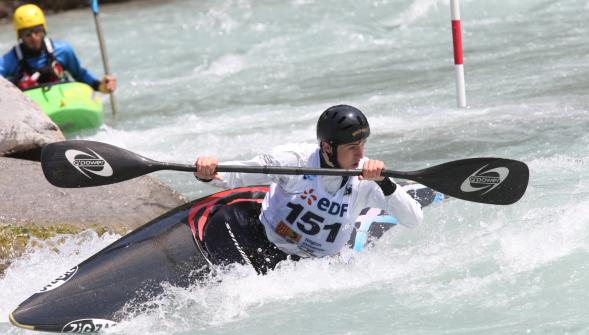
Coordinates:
<point>72,106</point>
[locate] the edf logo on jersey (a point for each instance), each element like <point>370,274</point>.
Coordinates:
<point>325,204</point>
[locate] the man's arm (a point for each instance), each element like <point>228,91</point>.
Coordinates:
<point>66,56</point>
<point>384,193</point>
<point>9,66</point>
<point>237,179</point>
<point>403,207</point>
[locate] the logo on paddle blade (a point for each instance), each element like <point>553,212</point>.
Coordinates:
<point>488,180</point>
<point>92,163</point>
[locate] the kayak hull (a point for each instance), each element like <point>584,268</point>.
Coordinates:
<point>107,287</point>
<point>73,106</point>
<point>89,295</point>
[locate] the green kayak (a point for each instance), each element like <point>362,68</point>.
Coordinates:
<point>72,106</point>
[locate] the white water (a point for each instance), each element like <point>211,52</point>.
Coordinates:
<point>233,78</point>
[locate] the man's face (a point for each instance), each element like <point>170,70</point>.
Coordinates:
<point>33,37</point>
<point>349,154</point>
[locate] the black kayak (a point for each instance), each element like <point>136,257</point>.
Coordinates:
<point>171,248</point>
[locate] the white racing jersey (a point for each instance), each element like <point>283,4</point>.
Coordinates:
<point>313,216</point>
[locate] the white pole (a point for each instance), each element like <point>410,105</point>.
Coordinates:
<point>94,7</point>
<point>458,64</point>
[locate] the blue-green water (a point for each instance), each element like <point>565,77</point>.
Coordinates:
<point>234,78</point>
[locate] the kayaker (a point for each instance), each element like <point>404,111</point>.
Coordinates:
<point>303,216</point>
<point>37,59</point>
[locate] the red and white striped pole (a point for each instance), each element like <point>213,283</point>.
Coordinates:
<point>458,65</point>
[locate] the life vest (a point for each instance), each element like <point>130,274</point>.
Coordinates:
<point>51,72</point>
<point>307,220</point>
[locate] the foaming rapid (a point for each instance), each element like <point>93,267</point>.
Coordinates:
<point>234,78</point>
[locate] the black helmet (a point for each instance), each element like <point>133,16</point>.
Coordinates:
<point>342,124</point>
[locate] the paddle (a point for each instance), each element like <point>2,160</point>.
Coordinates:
<point>79,163</point>
<point>94,6</point>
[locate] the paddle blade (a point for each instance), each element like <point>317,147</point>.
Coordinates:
<point>79,163</point>
<point>495,181</point>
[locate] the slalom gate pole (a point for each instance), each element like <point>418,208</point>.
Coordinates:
<point>94,7</point>
<point>458,62</point>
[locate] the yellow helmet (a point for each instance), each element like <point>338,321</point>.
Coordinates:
<point>27,16</point>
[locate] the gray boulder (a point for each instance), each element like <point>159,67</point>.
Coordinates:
<point>24,128</point>
<point>30,207</point>
<point>28,199</point>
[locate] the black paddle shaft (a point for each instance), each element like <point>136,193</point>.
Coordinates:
<point>79,163</point>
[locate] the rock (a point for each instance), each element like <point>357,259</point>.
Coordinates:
<point>4,10</point>
<point>31,207</point>
<point>49,6</point>
<point>24,128</point>
<point>27,198</point>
